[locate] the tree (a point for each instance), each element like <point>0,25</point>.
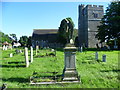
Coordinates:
<point>76,42</point>
<point>13,37</point>
<point>24,40</point>
<point>4,37</point>
<point>110,24</point>
<point>29,41</point>
<point>63,34</point>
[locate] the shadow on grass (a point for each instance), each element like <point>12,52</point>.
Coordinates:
<point>20,80</point>
<point>12,66</point>
<point>15,62</point>
<point>89,58</point>
<point>110,71</point>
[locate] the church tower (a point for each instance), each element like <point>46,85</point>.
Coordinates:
<point>88,20</point>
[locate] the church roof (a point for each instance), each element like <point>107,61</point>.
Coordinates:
<point>45,31</point>
<point>45,34</point>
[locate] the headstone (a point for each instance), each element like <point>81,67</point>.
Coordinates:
<point>20,51</point>
<point>70,73</point>
<point>37,47</point>
<point>31,54</point>
<point>96,56</point>
<point>115,44</point>
<point>104,58</point>
<point>81,49</point>
<point>52,50</point>
<point>26,57</point>
<point>3,47</point>
<point>11,55</point>
<point>17,51</point>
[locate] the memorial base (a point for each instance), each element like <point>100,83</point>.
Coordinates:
<point>70,75</point>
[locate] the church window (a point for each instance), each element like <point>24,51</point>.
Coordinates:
<point>95,15</point>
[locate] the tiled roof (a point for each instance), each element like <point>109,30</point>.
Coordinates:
<point>45,31</point>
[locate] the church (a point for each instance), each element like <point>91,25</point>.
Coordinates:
<point>89,18</point>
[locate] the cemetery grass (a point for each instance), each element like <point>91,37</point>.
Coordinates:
<point>93,74</point>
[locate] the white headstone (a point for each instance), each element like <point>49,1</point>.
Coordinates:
<point>81,49</point>
<point>37,47</point>
<point>26,57</point>
<point>3,47</point>
<point>11,55</point>
<point>71,41</point>
<point>31,54</point>
<point>6,47</point>
<point>52,50</point>
<point>20,51</point>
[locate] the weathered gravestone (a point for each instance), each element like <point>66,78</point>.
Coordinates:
<point>20,51</point>
<point>96,55</point>
<point>104,58</point>
<point>17,51</point>
<point>26,57</point>
<point>3,47</point>
<point>70,73</point>
<point>81,49</point>
<point>37,48</point>
<point>31,54</point>
<point>6,47</point>
<point>11,55</point>
<point>52,50</point>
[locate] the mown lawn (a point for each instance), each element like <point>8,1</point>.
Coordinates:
<point>93,74</point>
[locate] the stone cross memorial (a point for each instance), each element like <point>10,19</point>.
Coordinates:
<point>26,57</point>
<point>31,54</point>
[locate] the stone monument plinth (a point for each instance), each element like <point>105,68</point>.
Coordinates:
<point>70,73</point>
